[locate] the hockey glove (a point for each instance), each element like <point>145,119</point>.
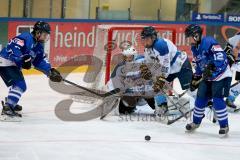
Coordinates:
<point>26,61</point>
<point>196,79</point>
<point>145,72</point>
<point>228,49</point>
<point>158,85</point>
<point>237,76</point>
<point>231,59</point>
<point>54,75</point>
<point>208,71</point>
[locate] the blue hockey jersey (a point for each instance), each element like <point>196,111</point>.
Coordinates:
<point>21,45</point>
<point>210,52</point>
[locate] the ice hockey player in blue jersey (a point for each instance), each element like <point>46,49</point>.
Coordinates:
<point>212,78</point>
<point>23,52</point>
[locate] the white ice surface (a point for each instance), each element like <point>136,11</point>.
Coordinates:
<point>42,136</point>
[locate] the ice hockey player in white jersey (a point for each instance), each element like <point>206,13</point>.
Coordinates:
<point>163,53</point>
<point>164,62</point>
<point>233,51</point>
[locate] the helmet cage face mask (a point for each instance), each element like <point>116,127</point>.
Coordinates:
<point>129,54</point>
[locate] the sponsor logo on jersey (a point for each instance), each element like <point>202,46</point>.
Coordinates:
<point>18,42</point>
<point>217,48</point>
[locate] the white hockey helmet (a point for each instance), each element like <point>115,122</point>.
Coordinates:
<point>131,51</point>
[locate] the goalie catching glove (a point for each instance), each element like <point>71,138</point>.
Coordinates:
<point>158,85</point>
<point>145,72</point>
<point>54,75</point>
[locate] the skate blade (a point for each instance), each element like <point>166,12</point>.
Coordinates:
<point>6,118</point>
<point>233,110</point>
<point>223,135</point>
<point>190,131</point>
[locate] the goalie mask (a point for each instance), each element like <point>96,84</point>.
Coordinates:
<point>129,54</point>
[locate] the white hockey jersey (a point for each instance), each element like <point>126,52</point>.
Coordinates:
<point>164,58</point>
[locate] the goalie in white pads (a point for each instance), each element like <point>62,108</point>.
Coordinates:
<point>126,76</point>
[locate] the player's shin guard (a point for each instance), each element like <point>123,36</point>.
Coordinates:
<point>15,93</point>
<point>198,112</point>
<point>221,111</point>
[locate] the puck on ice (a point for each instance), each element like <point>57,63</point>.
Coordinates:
<point>147,138</point>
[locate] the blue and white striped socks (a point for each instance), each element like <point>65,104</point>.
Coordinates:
<point>15,93</point>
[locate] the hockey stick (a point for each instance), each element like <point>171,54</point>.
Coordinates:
<point>111,109</point>
<point>236,110</point>
<point>102,95</point>
<point>234,84</point>
<point>182,94</point>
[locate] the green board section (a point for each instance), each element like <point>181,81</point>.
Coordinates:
<point>3,34</point>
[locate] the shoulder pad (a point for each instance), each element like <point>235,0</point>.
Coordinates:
<point>28,38</point>
<point>161,46</point>
<point>208,42</point>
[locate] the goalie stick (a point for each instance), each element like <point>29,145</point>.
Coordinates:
<point>177,105</point>
<point>178,96</point>
<point>102,95</point>
<point>176,119</point>
<point>103,115</point>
